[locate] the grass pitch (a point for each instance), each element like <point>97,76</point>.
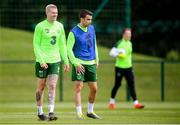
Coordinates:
<point>153,113</point>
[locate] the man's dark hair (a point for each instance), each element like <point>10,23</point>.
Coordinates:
<point>84,12</point>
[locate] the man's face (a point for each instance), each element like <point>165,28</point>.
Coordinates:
<point>127,35</point>
<point>86,21</point>
<point>52,14</point>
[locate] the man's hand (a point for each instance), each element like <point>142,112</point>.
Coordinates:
<point>80,69</point>
<point>97,64</point>
<point>66,67</point>
<point>44,65</point>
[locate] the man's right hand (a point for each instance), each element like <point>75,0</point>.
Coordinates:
<point>80,69</point>
<point>44,65</point>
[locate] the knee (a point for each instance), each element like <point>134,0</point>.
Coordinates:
<point>78,88</point>
<point>52,86</point>
<point>40,89</point>
<point>52,80</point>
<point>117,85</point>
<point>94,89</point>
<point>41,85</point>
<point>131,82</point>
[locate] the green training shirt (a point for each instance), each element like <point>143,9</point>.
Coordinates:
<point>50,42</point>
<point>76,61</point>
<point>126,60</point>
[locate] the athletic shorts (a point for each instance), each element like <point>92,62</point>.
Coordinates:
<point>89,75</point>
<point>53,68</point>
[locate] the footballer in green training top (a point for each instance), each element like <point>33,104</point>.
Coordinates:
<point>122,51</point>
<point>49,46</point>
<point>83,54</point>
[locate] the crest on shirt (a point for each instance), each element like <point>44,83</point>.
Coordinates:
<point>46,30</point>
<point>53,40</point>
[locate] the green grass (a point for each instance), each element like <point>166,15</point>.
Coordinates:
<point>18,85</point>
<point>15,44</point>
<point>154,113</point>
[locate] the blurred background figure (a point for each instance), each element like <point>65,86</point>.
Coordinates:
<point>122,51</point>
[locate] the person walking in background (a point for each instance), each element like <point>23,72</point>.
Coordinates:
<point>83,54</point>
<point>49,45</point>
<point>122,51</point>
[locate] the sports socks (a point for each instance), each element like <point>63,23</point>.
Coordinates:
<point>79,109</point>
<point>90,107</point>
<point>40,110</point>
<point>136,102</point>
<point>51,108</point>
<point>112,101</point>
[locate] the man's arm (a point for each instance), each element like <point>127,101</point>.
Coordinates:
<point>62,46</point>
<point>97,55</point>
<point>70,44</point>
<point>36,44</point>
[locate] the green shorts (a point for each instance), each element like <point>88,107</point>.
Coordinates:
<point>89,75</point>
<point>53,68</point>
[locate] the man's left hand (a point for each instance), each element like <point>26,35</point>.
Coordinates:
<point>66,67</point>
